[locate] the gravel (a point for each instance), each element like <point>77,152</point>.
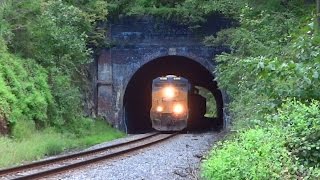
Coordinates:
<point>177,158</point>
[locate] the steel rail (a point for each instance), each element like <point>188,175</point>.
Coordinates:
<point>46,173</point>
<point>67,157</point>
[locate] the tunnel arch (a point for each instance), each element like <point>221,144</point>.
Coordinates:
<point>137,95</point>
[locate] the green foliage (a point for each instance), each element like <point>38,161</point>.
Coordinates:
<point>268,62</point>
<point>283,146</point>
<point>49,142</point>
<point>257,35</point>
<point>274,56</point>
<point>25,93</point>
<point>17,17</point>
<point>23,130</point>
<point>80,19</point>
<point>55,34</point>
<point>184,11</point>
<point>4,28</point>
<point>67,101</point>
<point>63,29</point>
<point>271,76</point>
<point>96,12</point>
<point>44,45</point>
<point>98,132</point>
<point>254,154</point>
<point>301,127</point>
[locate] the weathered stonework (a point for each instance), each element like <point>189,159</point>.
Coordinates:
<point>137,41</point>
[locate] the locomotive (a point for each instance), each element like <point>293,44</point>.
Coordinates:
<point>170,106</point>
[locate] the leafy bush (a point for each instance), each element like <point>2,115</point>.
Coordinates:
<point>248,110</point>
<point>43,50</point>
<point>254,154</point>
<point>267,64</point>
<point>46,88</point>
<point>25,93</point>
<point>63,29</point>
<point>67,101</point>
<point>301,128</point>
<point>96,12</point>
<point>274,56</point>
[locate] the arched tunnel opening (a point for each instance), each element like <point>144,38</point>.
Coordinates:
<point>137,98</point>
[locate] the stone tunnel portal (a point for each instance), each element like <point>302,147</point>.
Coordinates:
<point>137,97</point>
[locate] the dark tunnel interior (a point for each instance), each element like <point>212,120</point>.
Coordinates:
<point>137,98</point>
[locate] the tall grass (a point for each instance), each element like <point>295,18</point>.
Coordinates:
<point>49,142</point>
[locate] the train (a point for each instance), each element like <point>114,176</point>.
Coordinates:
<point>172,97</point>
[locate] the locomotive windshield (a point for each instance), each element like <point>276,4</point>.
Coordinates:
<point>166,84</point>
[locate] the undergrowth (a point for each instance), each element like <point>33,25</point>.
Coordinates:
<point>45,48</point>
<point>285,146</point>
<point>272,78</point>
<point>37,145</point>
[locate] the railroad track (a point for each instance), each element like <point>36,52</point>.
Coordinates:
<point>57,165</point>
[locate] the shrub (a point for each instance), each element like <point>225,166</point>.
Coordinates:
<point>45,89</point>
<point>285,145</point>
<point>24,92</point>
<point>301,128</point>
<point>274,55</point>
<point>254,154</point>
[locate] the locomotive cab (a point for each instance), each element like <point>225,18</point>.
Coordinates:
<point>169,111</point>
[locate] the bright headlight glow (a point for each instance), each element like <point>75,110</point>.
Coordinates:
<point>178,109</point>
<point>169,92</point>
<point>159,109</point>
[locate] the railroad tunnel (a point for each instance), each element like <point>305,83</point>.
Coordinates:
<point>137,97</point>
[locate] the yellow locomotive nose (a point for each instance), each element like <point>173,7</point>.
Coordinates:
<point>169,92</point>
<point>178,109</point>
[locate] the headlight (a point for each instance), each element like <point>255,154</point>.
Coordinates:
<point>178,109</point>
<point>159,109</point>
<point>169,92</point>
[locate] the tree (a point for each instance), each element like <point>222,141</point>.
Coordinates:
<point>318,15</point>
